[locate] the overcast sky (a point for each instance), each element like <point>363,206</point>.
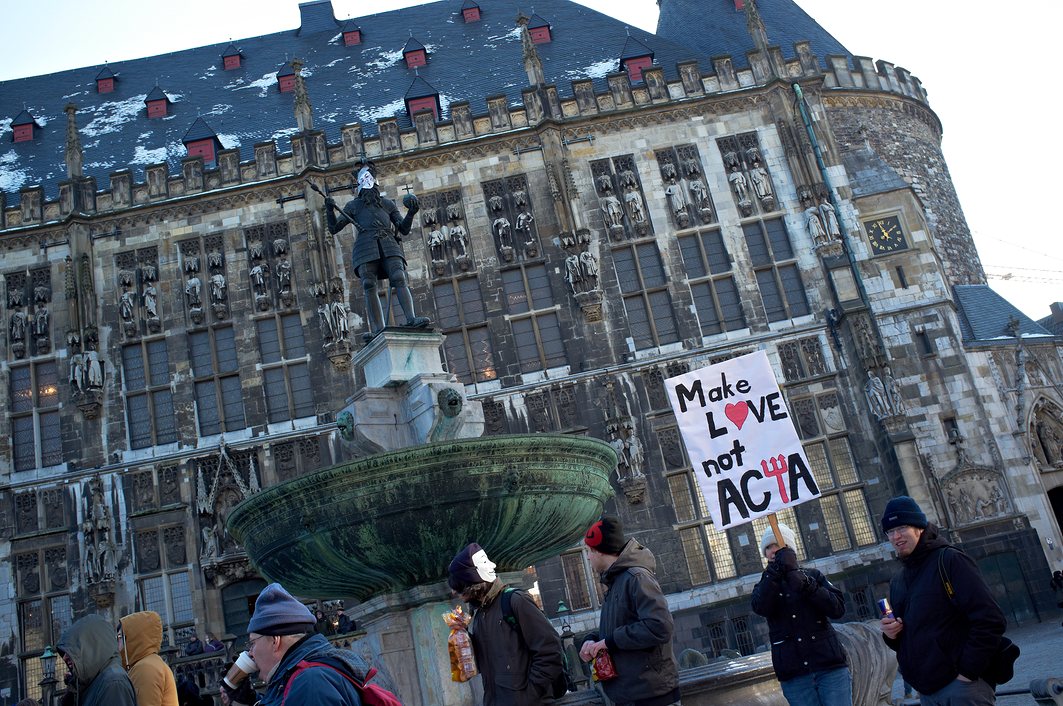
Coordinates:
<point>988,69</point>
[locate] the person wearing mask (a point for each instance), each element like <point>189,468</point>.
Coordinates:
<point>95,677</point>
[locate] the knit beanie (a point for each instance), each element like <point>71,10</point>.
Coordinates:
<point>902,510</point>
<point>278,613</point>
<point>606,535</point>
<point>768,538</point>
<point>462,570</point>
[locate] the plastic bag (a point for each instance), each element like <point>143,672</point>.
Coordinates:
<point>602,668</point>
<point>459,646</point>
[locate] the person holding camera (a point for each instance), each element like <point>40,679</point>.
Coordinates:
<point>799,604</point>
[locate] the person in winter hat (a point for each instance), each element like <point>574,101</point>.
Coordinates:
<point>946,645</point>
<point>95,677</point>
<point>635,625</point>
<point>280,638</point>
<point>799,604</point>
<point>518,652</point>
<point>139,642</point>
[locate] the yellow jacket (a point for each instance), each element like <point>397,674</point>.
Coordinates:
<point>152,679</point>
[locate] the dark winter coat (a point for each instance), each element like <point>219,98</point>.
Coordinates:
<point>519,666</point>
<point>802,638</point>
<point>316,686</point>
<point>92,645</point>
<point>375,222</point>
<point>943,638</point>
<point>637,628</point>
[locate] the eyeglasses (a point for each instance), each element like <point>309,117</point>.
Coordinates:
<point>900,529</point>
<point>251,641</point>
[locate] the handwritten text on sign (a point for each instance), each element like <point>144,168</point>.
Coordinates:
<point>746,453</point>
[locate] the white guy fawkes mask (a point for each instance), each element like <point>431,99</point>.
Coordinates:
<point>366,180</point>
<point>485,568</point>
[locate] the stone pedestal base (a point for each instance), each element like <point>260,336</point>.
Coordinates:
<point>397,356</point>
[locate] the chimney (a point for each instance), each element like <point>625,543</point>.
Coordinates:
<point>316,16</point>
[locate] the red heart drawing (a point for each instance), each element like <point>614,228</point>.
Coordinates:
<point>737,413</point>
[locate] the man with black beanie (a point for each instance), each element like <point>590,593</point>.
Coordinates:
<point>635,626</point>
<point>946,628</point>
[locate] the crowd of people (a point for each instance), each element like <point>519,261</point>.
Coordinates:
<point>940,619</point>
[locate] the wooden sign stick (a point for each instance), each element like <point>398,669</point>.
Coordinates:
<point>774,522</point>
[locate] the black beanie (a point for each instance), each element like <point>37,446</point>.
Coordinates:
<point>606,535</point>
<point>902,510</point>
<point>462,571</point>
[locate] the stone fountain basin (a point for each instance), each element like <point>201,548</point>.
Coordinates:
<point>394,520</point>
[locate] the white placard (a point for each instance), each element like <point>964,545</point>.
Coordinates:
<point>747,457</point>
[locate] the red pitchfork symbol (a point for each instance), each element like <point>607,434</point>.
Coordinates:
<point>778,470</point>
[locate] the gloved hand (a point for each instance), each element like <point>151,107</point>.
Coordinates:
<point>411,203</point>
<point>800,582</point>
<point>786,558</point>
<point>243,694</point>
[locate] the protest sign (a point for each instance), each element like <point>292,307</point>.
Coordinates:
<point>747,457</point>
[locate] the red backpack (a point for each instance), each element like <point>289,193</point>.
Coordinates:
<point>371,694</point>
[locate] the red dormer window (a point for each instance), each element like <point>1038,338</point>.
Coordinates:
<point>635,66</point>
<point>202,148</point>
<point>539,35</point>
<point>416,58</point>
<point>231,62</point>
<point>286,83</point>
<point>23,133</point>
<point>352,38</point>
<point>157,108</point>
<point>105,85</point>
<point>416,105</point>
<point>740,4</point>
<point>471,14</point>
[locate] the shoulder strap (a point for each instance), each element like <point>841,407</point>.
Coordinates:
<point>507,608</point>
<point>944,575</point>
<point>304,665</point>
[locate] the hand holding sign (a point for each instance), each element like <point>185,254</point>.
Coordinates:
<point>747,456</point>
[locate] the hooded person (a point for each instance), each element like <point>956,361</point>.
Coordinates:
<point>799,604</point>
<point>517,650</point>
<point>95,676</point>
<point>139,642</point>
<point>635,625</point>
<point>300,667</point>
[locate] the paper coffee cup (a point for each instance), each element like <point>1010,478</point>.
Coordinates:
<point>243,666</point>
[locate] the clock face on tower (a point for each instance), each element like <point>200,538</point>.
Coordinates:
<point>885,235</point>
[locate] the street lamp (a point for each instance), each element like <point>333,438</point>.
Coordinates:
<point>48,682</point>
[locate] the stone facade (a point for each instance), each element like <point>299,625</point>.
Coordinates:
<point>197,329</point>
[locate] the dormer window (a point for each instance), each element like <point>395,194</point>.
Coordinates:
<point>422,96</point>
<point>105,81</point>
<point>352,34</point>
<point>23,127</point>
<point>635,57</point>
<point>286,79</point>
<point>157,103</point>
<point>415,54</point>
<point>470,12</point>
<point>539,30</point>
<point>202,141</point>
<point>231,58</point>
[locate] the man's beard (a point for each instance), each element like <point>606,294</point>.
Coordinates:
<point>370,196</point>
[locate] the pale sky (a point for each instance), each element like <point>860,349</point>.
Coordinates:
<point>987,68</point>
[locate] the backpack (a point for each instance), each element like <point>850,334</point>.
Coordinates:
<point>371,694</point>
<point>1002,669</point>
<point>564,682</point>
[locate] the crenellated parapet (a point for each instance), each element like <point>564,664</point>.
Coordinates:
<point>585,99</point>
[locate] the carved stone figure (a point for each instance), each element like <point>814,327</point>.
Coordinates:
<point>761,184</point>
<point>93,370</point>
<point>814,226</point>
<point>191,264</point>
<point>377,248</point>
<point>830,219</point>
<point>678,204</point>
<point>503,230</point>
<point>100,551</point>
<point>18,326</point>
<point>635,207</point>
<point>589,268</point>
<point>692,168</point>
<point>340,326</point>
<point>457,239</point>
<point>699,194</point>
<point>573,273</point>
<point>614,212</point>
<point>193,289</point>
<point>284,275</point>
<point>436,243</point>
<point>217,287</point>
<point>125,305</point>
<point>214,260</point>
<point>77,373</point>
<point>254,250</point>
<point>604,183</point>
<point>738,184</point>
<point>524,221</point>
<point>151,301</point>
<point>875,392</point>
<point>210,543</point>
<point>520,198</point>
<point>258,278</point>
<point>893,393</point>
<point>669,173</point>
<point>496,203</point>
<point>40,323</point>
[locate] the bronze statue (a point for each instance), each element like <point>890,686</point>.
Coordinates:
<point>377,248</point>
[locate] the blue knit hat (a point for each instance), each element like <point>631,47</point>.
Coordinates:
<point>902,510</point>
<point>278,613</point>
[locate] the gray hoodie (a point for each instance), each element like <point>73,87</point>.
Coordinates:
<point>99,680</point>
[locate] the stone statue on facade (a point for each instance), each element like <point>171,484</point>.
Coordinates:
<point>875,392</point>
<point>573,274</point>
<point>589,269</point>
<point>377,249</point>
<point>614,212</point>
<point>893,393</point>
<point>151,301</point>
<point>830,219</point>
<point>635,207</point>
<point>126,304</point>
<point>193,289</point>
<point>678,204</point>
<point>217,288</point>
<point>814,226</point>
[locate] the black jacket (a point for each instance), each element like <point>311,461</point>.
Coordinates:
<point>637,628</point>
<point>943,638</point>
<point>519,665</point>
<point>92,646</point>
<point>802,638</point>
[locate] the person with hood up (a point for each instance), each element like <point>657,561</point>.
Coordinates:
<point>945,645</point>
<point>799,604</point>
<point>139,642</point>
<point>635,625</point>
<point>519,654</point>
<point>300,667</point>
<point>95,677</point>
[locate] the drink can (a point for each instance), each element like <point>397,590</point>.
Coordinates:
<point>884,608</point>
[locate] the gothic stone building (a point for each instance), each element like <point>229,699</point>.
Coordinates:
<point>602,208</point>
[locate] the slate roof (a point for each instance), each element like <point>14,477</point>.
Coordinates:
<point>157,94</point>
<point>361,83</point>
<point>985,315</point>
<point>716,28</point>
<point>870,174</point>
